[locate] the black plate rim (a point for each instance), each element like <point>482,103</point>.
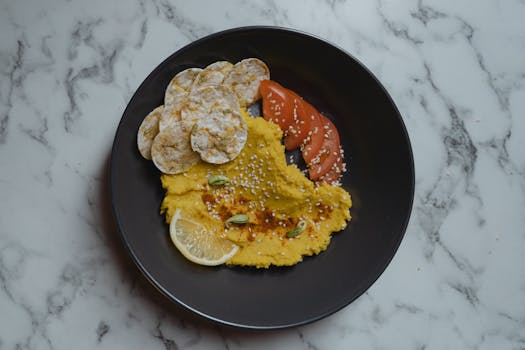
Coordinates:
<point>367,283</point>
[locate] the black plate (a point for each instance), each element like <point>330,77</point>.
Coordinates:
<point>380,180</point>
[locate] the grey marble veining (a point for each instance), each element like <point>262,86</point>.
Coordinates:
<point>456,70</point>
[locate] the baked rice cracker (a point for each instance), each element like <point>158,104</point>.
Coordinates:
<point>149,128</point>
<point>171,150</point>
<point>244,79</point>
<point>213,74</point>
<point>180,84</point>
<point>219,137</point>
<point>204,100</point>
<point>175,95</point>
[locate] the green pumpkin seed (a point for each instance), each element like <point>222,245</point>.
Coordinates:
<point>301,226</point>
<point>218,180</point>
<point>238,219</point>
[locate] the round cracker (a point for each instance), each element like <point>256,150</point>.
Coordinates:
<point>171,150</point>
<point>171,113</point>
<point>213,74</point>
<point>220,137</point>
<point>180,85</point>
<point>149,128</point>
<point>206,99</point>
<point>244,79</point>
<point>175,96</point>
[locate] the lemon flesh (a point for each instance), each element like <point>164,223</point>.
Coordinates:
<point>198,244</point>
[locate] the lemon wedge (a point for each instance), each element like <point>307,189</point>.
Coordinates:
<point>198,244</point>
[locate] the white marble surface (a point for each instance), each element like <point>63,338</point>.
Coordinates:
<point>456,70</point>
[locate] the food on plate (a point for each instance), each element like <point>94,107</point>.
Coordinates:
<point>213,74</point>
<point>327,155</point>
<point>274,197</point>
<point>149,128</point>
<point>306,128</point>
<point>244,79</point>
<point>301,123</point>
<point>275,104</point>
<point>171,150</point>
<point>202,101</point>
<point>289,111</point>
<point>314,139</point>
<point>180,84</point>
<point>333,174</point>
<point>175,95</point>
<point>198,244</point>
<point>231,198</point>
<point>219,137</point>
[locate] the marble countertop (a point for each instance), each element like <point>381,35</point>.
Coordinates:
<point>456,70</point>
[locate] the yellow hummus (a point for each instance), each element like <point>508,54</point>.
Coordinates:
<point>274,195</point>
